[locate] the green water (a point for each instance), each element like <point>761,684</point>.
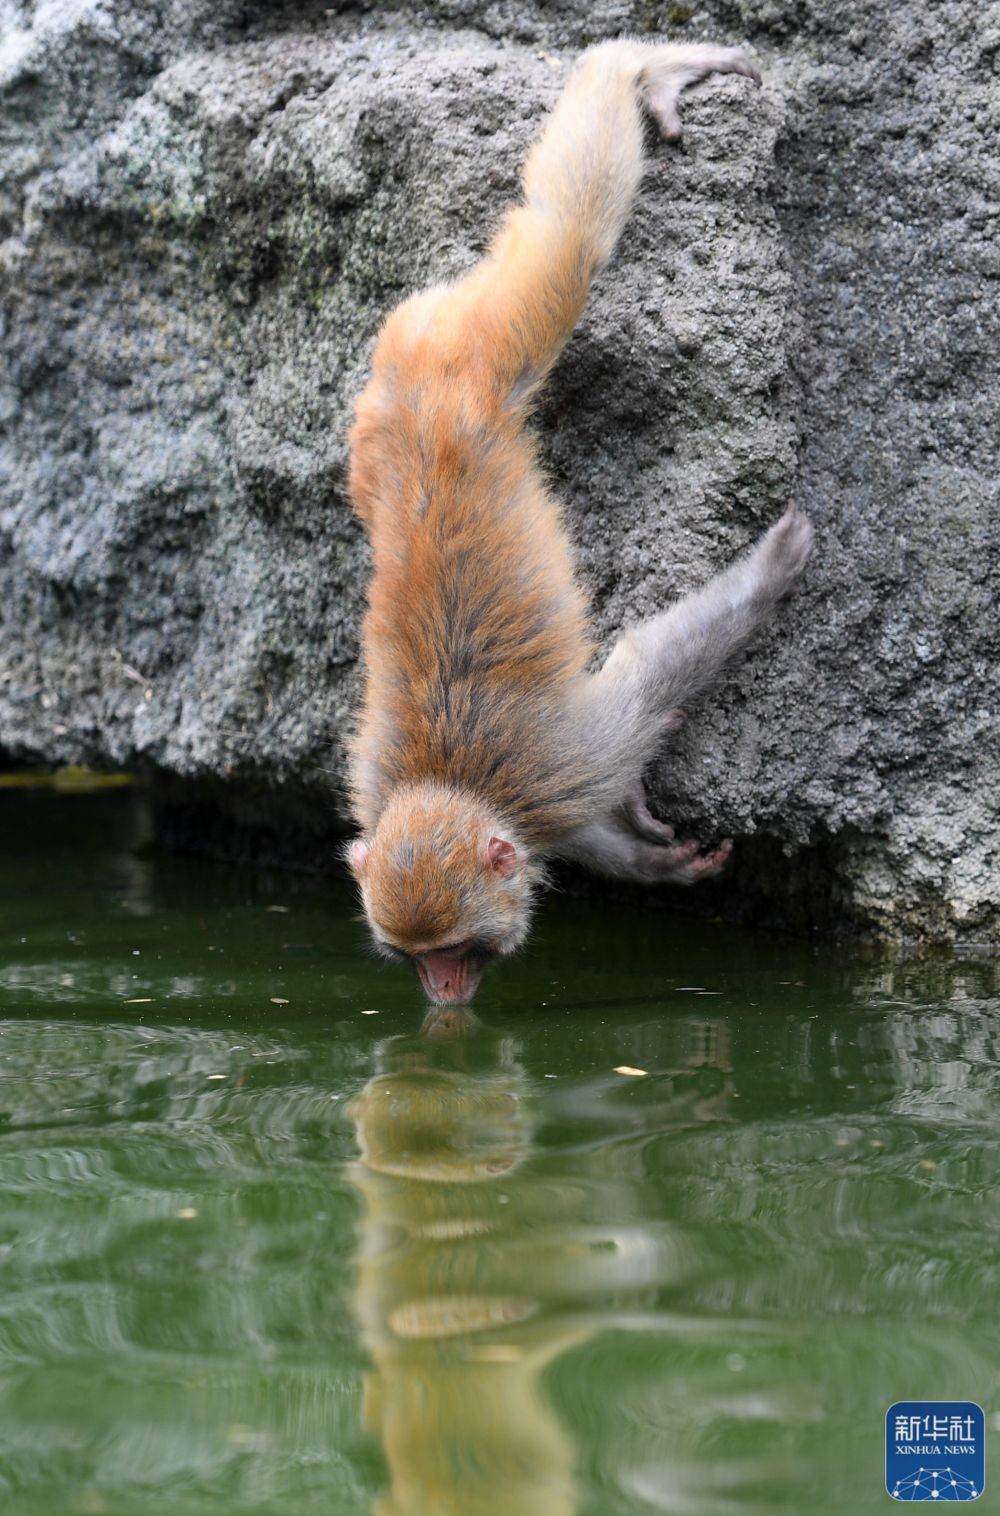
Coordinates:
<point>266,1248</point>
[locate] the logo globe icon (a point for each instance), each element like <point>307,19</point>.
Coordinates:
<point>934,1484</point>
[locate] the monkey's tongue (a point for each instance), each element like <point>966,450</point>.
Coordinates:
<point>447,980</point>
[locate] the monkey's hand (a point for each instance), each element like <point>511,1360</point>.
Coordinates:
<point>782,553</point>
<point>629,843</point>
<point>672,69</point>
<point>680,862</point>
<point>687,864</point>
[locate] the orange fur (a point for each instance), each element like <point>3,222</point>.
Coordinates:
<point>472,606</point>
<point>433,842</point>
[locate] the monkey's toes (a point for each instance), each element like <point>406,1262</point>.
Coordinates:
<point>733,60</point>
<point>683,66</point>
<point>791,542</point>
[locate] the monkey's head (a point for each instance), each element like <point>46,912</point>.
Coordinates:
<point>445,887</point>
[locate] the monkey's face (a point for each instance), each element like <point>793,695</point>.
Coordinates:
<point>442,890</point>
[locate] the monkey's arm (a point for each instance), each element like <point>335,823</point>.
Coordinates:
<point>633,702</point>
<point>614,848</point>
<point>655,667</point>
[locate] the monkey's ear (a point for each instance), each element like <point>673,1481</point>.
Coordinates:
<point>357,857</point>
<point>501,857</point>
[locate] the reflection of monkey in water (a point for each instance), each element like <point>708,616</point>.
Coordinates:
<point>476,1268</point>
<point>483,743</point>
<point>447,1294</point>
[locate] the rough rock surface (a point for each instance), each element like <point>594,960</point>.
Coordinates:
<point>206,209</point>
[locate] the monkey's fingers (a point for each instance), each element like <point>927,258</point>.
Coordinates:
<point>672,71</point>
<point>788,545</point>
<point>685,864</point>
<point>708,864</point>
<point>640,820</point>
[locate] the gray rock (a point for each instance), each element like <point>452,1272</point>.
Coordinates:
<point>205,211</point>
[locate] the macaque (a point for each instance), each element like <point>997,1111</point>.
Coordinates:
<point>484,745</point>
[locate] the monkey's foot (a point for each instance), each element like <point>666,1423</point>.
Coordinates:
<point>671,70</point>
<point>785,550</point>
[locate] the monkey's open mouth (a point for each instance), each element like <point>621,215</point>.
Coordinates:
<point>449,980</point>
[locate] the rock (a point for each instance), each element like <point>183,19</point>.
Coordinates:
<point>206,210</point>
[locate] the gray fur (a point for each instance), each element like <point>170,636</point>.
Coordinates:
<point>636,697</point>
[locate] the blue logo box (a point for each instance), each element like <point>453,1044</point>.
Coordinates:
<point>935,1450</point>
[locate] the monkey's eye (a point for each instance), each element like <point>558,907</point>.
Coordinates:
<point>474,947</point>
<point>390,951</point>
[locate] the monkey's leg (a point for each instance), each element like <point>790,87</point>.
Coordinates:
<point>610,848</point>
<point>579,183</point>
<point>491,338</point>
<point>665,661</point>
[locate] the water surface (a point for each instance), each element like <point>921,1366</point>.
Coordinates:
<point>266,1246</point>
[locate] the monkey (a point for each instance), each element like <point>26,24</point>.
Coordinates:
<point>484,746</point>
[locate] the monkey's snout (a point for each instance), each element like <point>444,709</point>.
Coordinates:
<point>448,980</point>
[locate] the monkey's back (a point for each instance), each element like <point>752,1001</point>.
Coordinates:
<point>475,629</point>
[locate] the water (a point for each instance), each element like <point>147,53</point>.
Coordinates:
<point>265,1247</point>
